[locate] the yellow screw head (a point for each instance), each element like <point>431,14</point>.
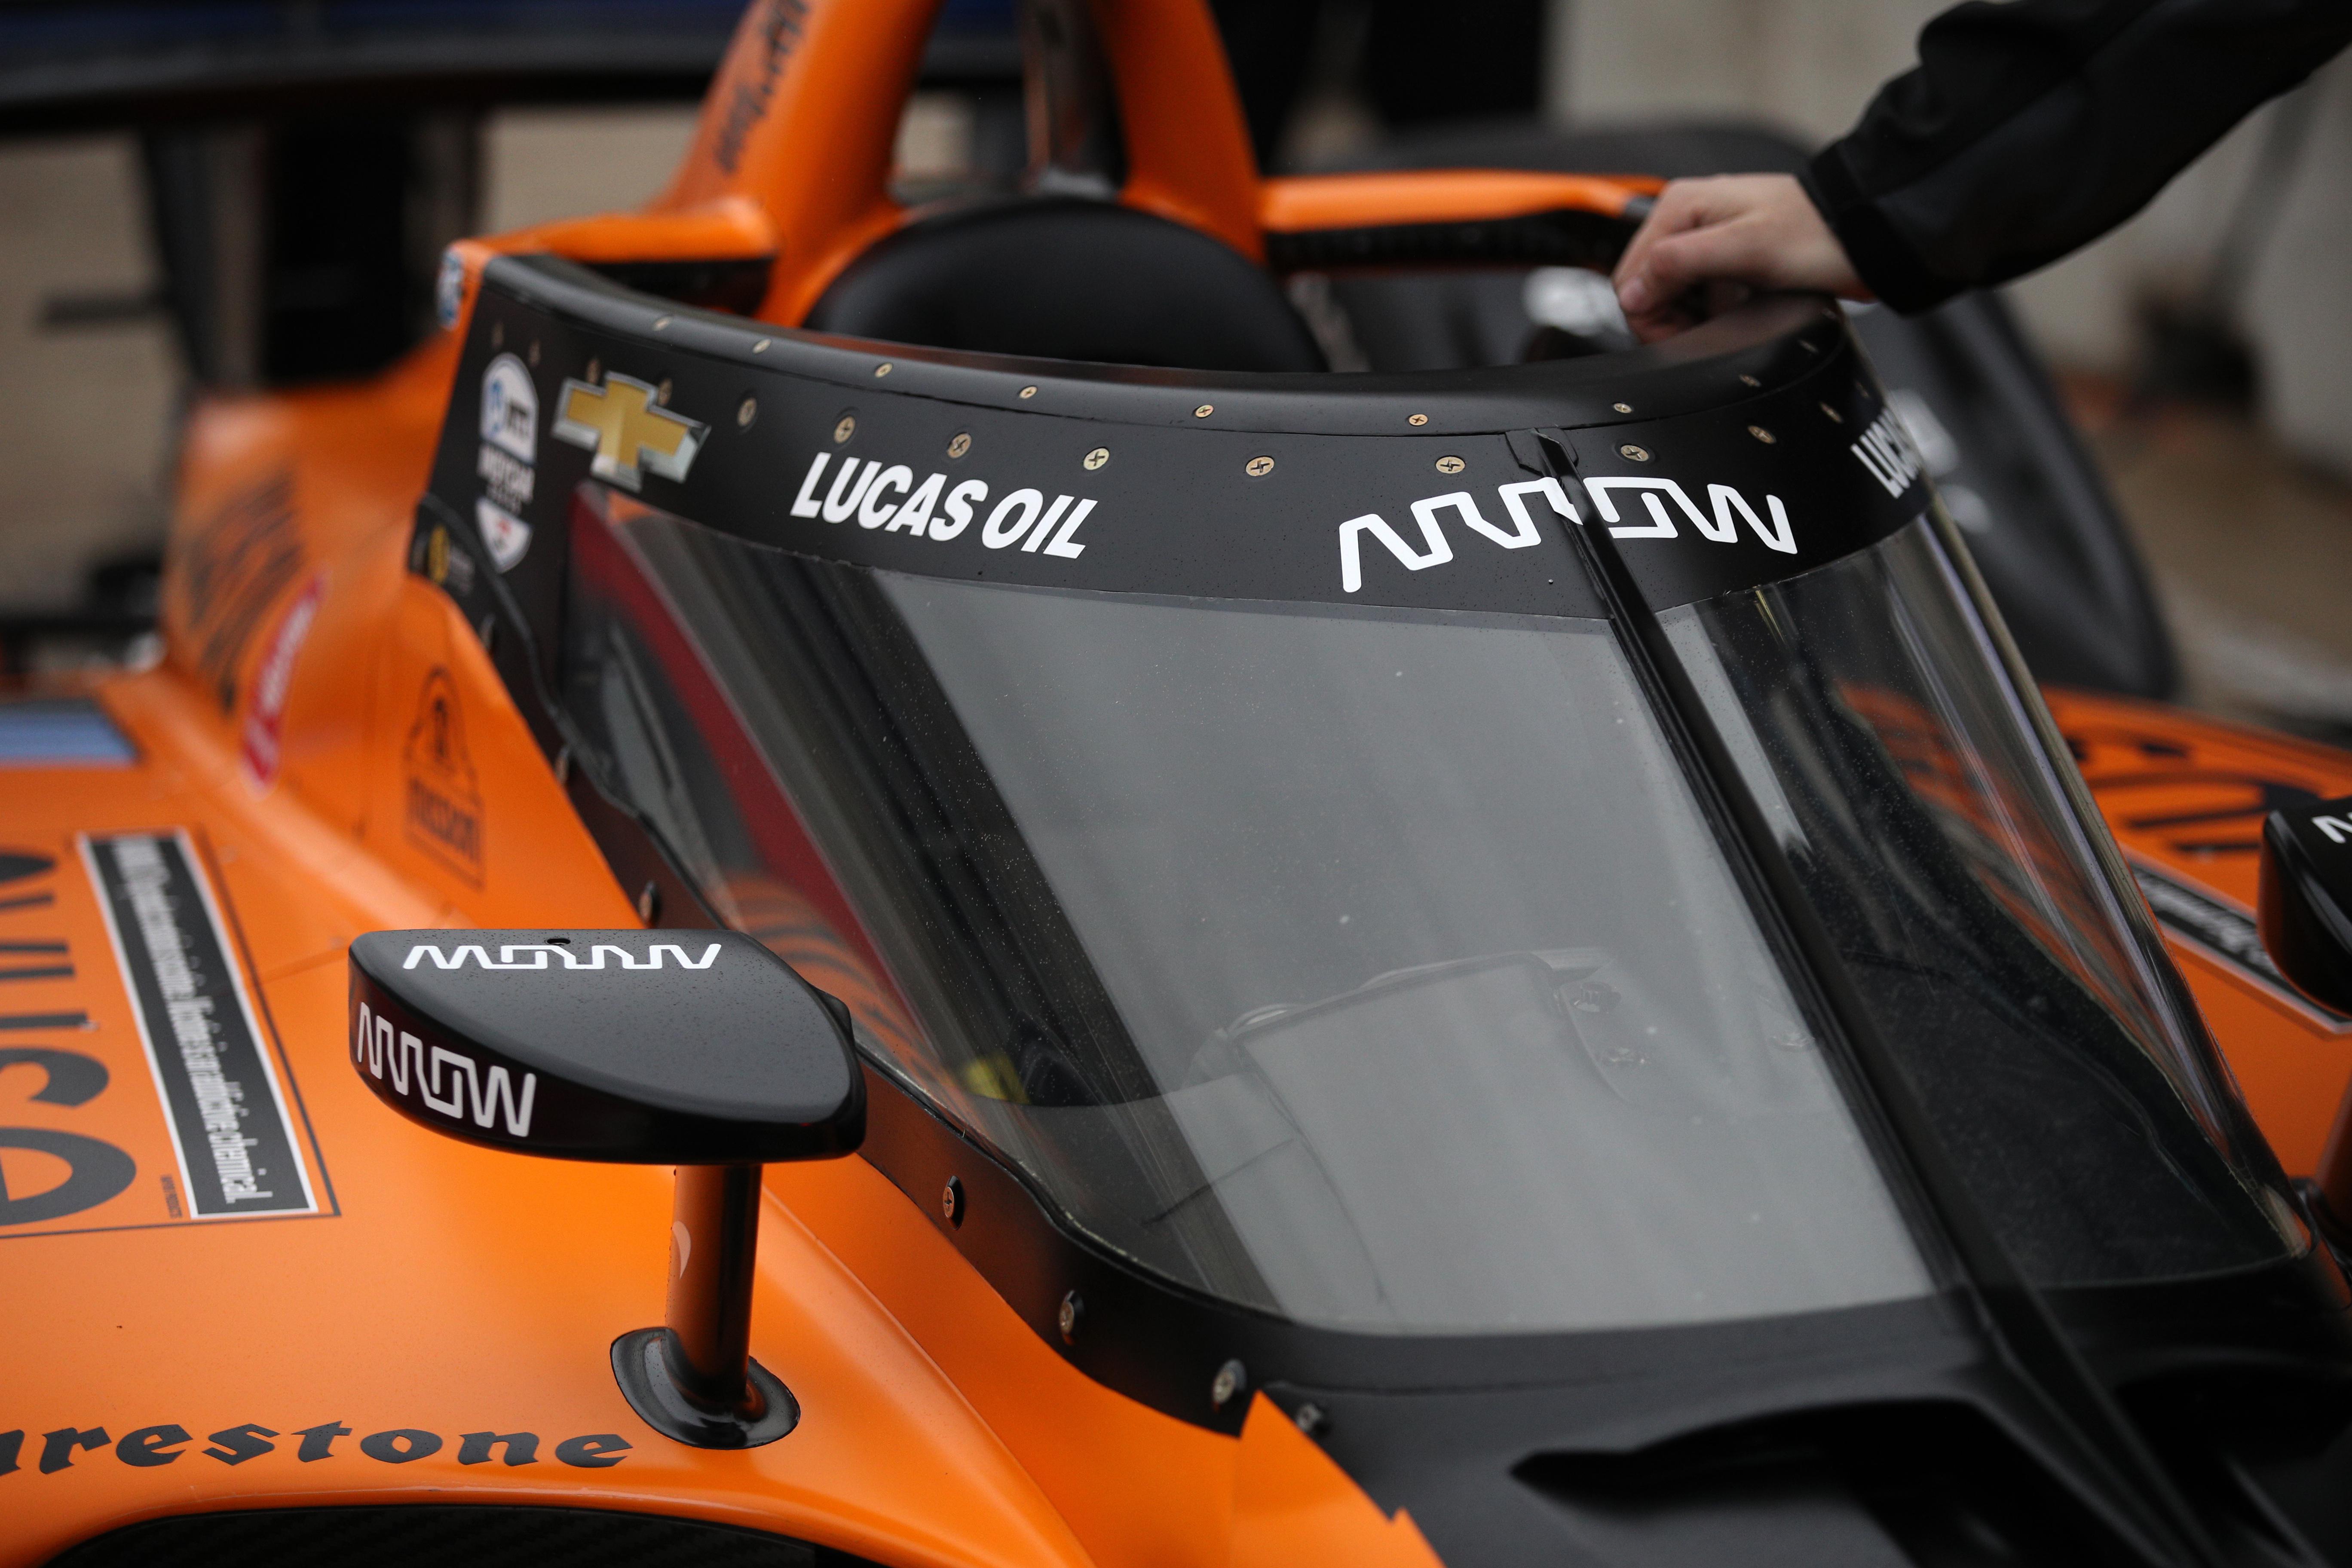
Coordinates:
<point>1258,467</point>
<point>1028,391</point>
<point>1451,465</point>
<point>745,412</point>
<point>1835,417</point>
<point>1097,458</point>
<point>960,445</point>
<point>1622,407</point>
<point>881,370</point>
<point>1762,435</point>
<point>1416,418</point>
<point>1638,454</point>
<point>846,430</point>
<point>1749,381</point>
<point>1204,411</point>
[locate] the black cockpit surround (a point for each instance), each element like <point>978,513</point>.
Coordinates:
<point>1747,455</point>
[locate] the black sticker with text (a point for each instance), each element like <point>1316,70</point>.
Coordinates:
<point>230,1129</point>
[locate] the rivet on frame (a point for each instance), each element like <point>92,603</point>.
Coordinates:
<point>1622,407</point>
<point>1028,391</point>
<point>1416,418</point>
<point>745,412</point>
<point>881,370</point>
<point>1204,411</point>
<point>1762,435</point>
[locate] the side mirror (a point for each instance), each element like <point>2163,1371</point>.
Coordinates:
<point>698,1049</point>
<point>2305,906</point>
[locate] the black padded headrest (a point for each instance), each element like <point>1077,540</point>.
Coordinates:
<point>1059,278</point>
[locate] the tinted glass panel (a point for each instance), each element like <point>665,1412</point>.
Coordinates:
<point>1873,719</point>
<point>1373,968</point>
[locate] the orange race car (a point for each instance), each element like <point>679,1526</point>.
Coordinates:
<point>1238,965</point>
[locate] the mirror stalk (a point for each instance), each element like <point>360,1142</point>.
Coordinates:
<point>701,1050</point>
<point>714,1243</point>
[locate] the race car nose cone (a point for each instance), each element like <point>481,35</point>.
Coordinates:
<point>700,1049</point>
<point>2305,899</point>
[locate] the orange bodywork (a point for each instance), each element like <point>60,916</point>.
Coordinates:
<point>341,755</point>
<point>792,157</point>
<point>1438,195</point>
<point>443,1289</point>
<point>2188,796</point>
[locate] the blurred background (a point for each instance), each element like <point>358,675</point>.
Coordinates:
<point>193,195</point>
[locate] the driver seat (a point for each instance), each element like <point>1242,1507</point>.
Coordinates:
<point>1066,278</point>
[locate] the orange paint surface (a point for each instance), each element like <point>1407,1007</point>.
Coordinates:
<point>1293,1505</point>
<point>2187,796</point>
<point>1437,195</point>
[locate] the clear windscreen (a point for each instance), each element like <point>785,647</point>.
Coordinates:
<point>1374,968</point>
<point>2016,981</point>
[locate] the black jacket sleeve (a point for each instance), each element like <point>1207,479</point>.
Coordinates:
<point>2032,127</point>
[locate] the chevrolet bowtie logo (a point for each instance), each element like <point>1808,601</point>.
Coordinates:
<point>621,423</point>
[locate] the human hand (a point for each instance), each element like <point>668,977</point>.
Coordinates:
<point>1709,243</point>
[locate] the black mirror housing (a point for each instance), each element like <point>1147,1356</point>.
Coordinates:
<point>631,1046</point>
<point>2305,905</point>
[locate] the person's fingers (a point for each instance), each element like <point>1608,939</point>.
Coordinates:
<point>1735,250</point>
<point>1653,296</point>
<point>1760,231</point>
<point>1684,208</point>
<point>1682,205</point>
<point>1667,320</point>
<point>1726,253</point>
